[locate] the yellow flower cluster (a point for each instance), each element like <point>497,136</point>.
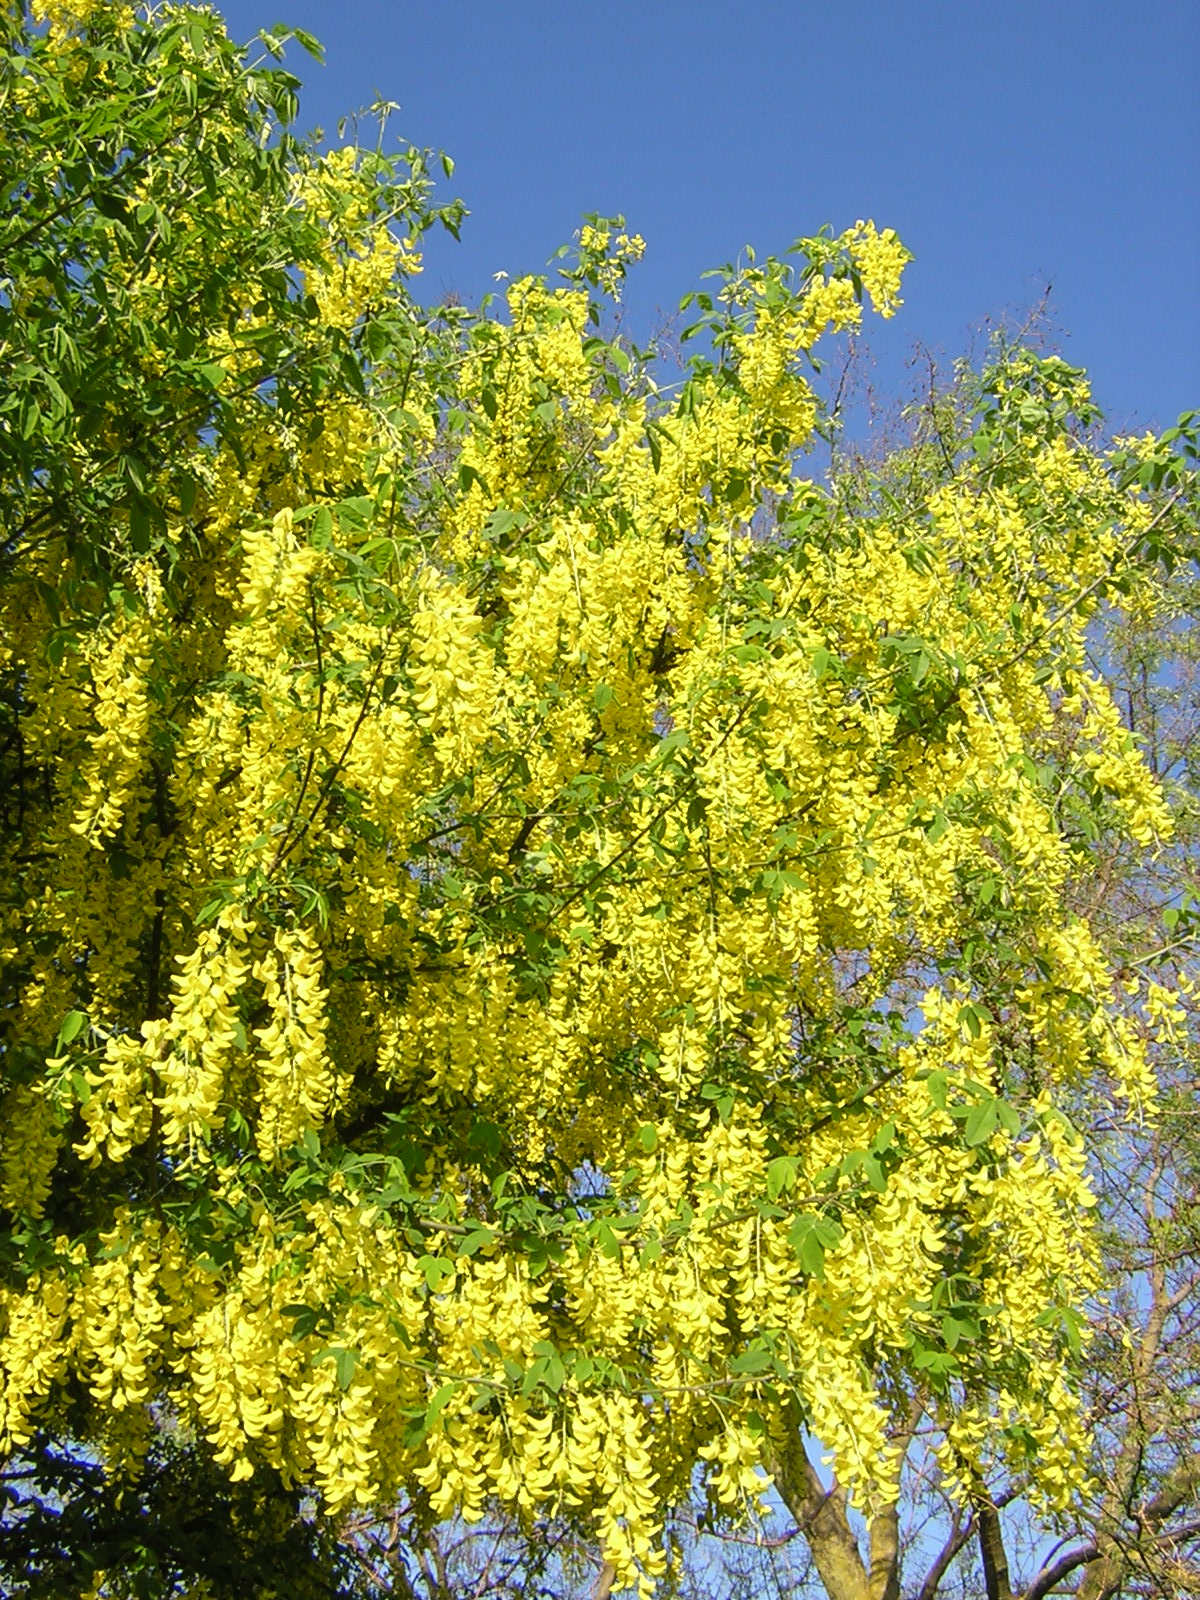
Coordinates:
<point>363,257</point>
<point>29,1145</point>
<point>66,17</point>
<point>203,1030</point>
<point>500,931</point>
<point>296,1084</point>
<point>881,260</point>
<point>119,1318</point>
<point>615,252</point>
<point>33,1354</point>
<point>118,1110</point>
<point>119,664</point>
<point>276,568</point>
<point>453,685</point>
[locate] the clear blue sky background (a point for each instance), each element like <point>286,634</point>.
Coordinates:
<point>1012,146</point>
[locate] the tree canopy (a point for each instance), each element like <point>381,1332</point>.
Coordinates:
<point>542,950</point>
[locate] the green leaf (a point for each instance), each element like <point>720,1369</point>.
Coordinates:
<point>358,511</point>
<point>441,1400</point>
<point>49,598</point>
<point>781,1175</point>
<point>651,1251</point>
<point>866,1162</point>
<point>874,1172</point>
<point>810,1236</point>
<point>555,1374</point>
<point>981,1122</point>
<point>957,1329</point>
<point>502,522</point>
<point>1010,1118</point>
<point>1073,1325</point>
<point>73,1025</point>
<point>607,1241</point>
<point>139,524</point>
<point>436,1269</point>
<point>937,1363</point>
<point>479,1239</point>
<point>486,1136</point>
<point>533,1375</point>
<point>345,1362</point>
<point>753,1360</point>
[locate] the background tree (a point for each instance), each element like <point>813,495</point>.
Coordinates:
<point>468,893</point>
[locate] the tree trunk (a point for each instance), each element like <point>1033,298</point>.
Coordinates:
<point>822,1518</point>
<point>996,1582</point>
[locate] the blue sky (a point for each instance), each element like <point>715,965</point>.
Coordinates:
<point>1012,147</point>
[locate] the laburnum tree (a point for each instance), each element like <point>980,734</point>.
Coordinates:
<point>544,955</point>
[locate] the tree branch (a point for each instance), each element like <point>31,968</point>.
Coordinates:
<point>821,1517</point>
<point>1050,1577</point>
